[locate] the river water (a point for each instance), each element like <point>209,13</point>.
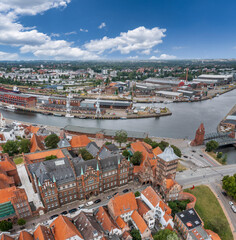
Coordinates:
<point>185,119</point>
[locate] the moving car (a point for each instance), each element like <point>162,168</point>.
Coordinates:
<point>231,203</point>
<point>224,193</point>
<point>234,209</point>
<point>114,194</point>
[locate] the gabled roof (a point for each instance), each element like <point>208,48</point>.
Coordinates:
<point>6,237</point>
<point>63,143</point>
<point>121,204</point>
<point>6,164</point>
<point>139,221</point>
<point>121,223</point>
<point>43,233</point>
<point>62,228</point>
<point>25,236</point>
<point>41,155</point>
<point>79,141</point>
<point>142,207</point>
<point>10,193</point>
<point>104,219</point>
<point>37,143</point>
<point>92,148</point>
<point>32,129</point>
<point>155,200</point>
<point>157,151</point>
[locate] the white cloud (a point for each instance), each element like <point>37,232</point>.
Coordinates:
<point>30,40</point>
<point>83,30</point>
<point>133,57</point>
<point>70,33</point>
<point>30,7</point>
<point>102,25</point>
<point>178,47</point>
<point>8,56</point>
<point>163,57</point>
<point>55,35</point>
<point>139,38</point>
<point>146,52</point>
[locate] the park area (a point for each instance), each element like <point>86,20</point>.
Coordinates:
<point>210,211</point>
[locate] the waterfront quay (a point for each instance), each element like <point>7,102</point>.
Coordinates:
<point>229,121</point>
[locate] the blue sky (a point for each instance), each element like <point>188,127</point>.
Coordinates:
<point>117,29</point>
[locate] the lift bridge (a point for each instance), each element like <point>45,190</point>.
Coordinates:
<point>223,139</point>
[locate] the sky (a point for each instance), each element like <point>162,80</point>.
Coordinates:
<point>117,29</point>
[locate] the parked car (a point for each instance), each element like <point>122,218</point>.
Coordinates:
<point>54,216</point>
<point>97,201</point>
<point>89,203</point>
<point>64,213</point>
<point>114,194</point>
<point>231,203</point>
<point>193,151</point>
<point>72,210</point>
<point>109,197</point>
<point>125,190</point>
<point>224,193</point>
<point>201,155</point>
<point>185,156</point>
<point>234,209</point>
<point>81,206</point>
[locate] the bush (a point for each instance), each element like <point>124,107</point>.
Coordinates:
<point>85,154</point>
<point>21,222</point>
<point>5,226</point>
<point>178,206</point>
<point>151,142</point>
<point>163,144</point>
<point>137,158</point>
<point>108,143</point>
<point>165,234</point>
<point>137,194</point>
<point>219,155</point>
<point>50,157</point>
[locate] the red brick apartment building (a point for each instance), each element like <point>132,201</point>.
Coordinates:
<point>18,99</point>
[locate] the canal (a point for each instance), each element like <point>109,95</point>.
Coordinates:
<point>183,123</point>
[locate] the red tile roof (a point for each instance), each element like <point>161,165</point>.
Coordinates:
<point>121,223</point>
<point>6,237</point>
<point>142,207</point>
<point>79,141</point>
<point>37,143</point>
<point>25,236</point>
<point>121,204</point>
<point>139,221</point>
<point>63,228</point>
<point>157,151</point>
<point>104,219</point>
<point>43,233</point>
<point>11,193</point>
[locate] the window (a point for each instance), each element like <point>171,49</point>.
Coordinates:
<point>75,196</point>
<point>66,199</point>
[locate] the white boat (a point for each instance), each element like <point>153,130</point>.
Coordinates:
<point>11,107</point>
<point>57,115</point>
<point>68,115</point>
<point>167,101</point>
<point>123,118</point>
<point>82,116</point>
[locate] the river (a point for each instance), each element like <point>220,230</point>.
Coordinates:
<point>185,119</point>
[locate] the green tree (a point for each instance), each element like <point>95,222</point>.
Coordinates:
<point>151,142</point>
<point>135,234</point>
<point>21,221</point>
<point>126,153</point>
<point>10,147</point>
<point>224,159</point>
<point>5,226</point>
<point>229,185</point>
<point>121,137</point>
<point>85,154</point>
<point>24,146</point>
<point>108,143</point>
<point>176,150</point>
<point>163,145</point>
<point>137,158</point>
<point>211,146</point>
<point>51,141</point>
<point>165,234</point>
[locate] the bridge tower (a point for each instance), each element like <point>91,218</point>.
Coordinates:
<point>199,137</point>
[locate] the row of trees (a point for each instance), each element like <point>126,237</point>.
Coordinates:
<point>6,225</point>
<point>15,147</point>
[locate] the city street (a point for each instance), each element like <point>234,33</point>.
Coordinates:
<point>206,175</point>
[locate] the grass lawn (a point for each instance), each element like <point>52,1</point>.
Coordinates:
<point>181,167</point>
<point>210,211</point>
<point>18,160</point>
<point>212,154</point>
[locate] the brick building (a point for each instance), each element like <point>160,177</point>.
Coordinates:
<point>66,179</point>
<point>14,204</point>
<point>199,137</point>
<point>18,99</point>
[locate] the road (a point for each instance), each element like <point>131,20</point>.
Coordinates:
<point>216,187</point>
<point>205,175</point>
